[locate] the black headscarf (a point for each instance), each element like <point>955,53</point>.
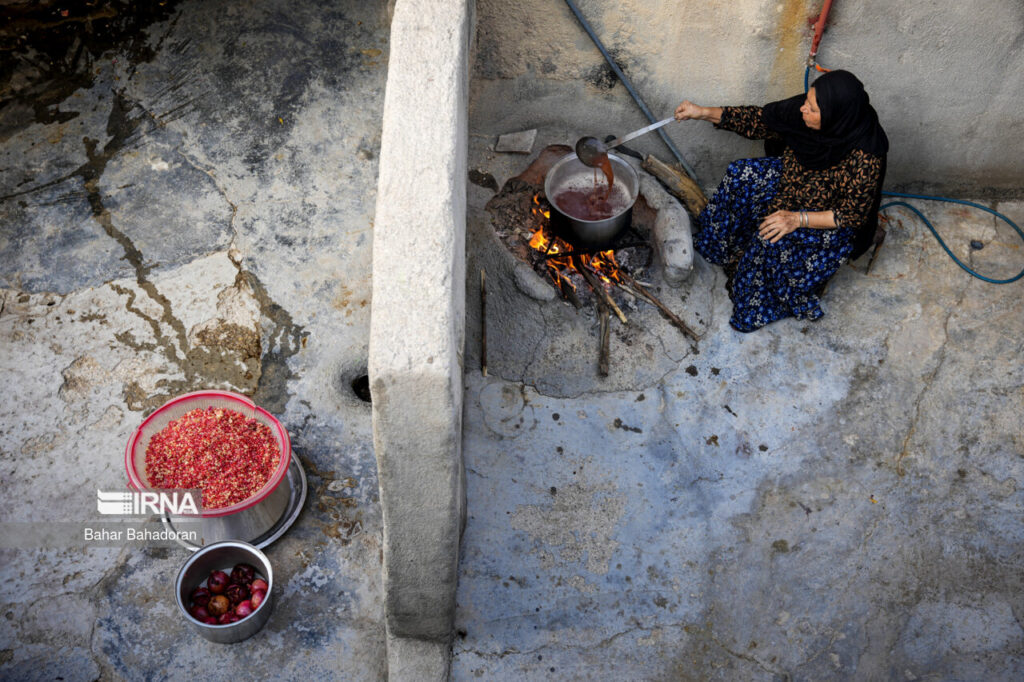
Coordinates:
<point>848,121</point>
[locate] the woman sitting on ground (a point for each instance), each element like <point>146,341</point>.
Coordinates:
<point>788,222</point>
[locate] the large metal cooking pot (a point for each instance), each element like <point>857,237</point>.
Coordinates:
<point>570,173</point>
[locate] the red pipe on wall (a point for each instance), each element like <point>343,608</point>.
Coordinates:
<point>819,29</point>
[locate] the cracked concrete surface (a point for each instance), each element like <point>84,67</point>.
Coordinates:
<point>838,500</point>
<point>187,195</point>
<point>830,500</point>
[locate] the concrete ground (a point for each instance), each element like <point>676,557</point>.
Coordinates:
<point>187,199</point>
<point>829,500</point>
<point>188,203</point>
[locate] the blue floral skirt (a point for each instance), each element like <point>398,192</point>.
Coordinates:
<point>772,281</point>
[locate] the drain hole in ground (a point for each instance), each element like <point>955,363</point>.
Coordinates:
<point>361,387</point>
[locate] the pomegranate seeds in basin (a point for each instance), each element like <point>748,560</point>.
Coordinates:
<point>226,454</point>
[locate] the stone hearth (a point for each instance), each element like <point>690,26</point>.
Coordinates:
<point>537,337</point>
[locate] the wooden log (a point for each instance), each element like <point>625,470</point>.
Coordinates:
<point>483,322</point>
<point>632,293</point>
<point>611,303</point>
<point>669,315</point>
<point>568,291</point>
<point>598,288</point>
<point>678,183</point>
<point>603,358</point>
<point>598,249</point>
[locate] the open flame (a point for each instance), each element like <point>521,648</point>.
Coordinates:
<point>602,265</point>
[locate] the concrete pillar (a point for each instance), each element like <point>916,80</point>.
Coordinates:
<point>417,328</point>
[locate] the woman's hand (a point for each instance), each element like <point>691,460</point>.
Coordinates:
<point>688,110</point>
<point>778,225</point>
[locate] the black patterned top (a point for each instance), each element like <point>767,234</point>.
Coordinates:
<point>849,188</point>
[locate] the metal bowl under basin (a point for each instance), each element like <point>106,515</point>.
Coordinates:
<point>570,173</point>
<point>222,556</point>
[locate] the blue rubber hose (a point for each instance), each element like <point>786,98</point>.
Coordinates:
<point>928,224</point>
<point>629,87</point>
<point>935,233</point>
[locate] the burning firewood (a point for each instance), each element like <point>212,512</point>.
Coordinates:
<point>568,291</point>
<point>599,290</point>
<point>583,273</point>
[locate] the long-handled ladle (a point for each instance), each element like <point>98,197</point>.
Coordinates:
<point>592,152</point>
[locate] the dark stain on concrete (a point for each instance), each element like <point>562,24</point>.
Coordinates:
<point>336,513</point>
<point>312,469</point>
<point>213,361</point>
<point>483,179</point>
<point>789,31</point>
<point>692,370</point>
<point>289,59</point>
<point>601,77</point>
<point>46,56</point>
<point>626,427</point>
<point>233,336</point>
<point>285,339</point>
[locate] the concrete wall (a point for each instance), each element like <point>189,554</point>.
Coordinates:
<point>946,78</point>
<point>417,327</point>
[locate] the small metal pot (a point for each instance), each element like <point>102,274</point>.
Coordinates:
<point>569,172</point>
<point>218,557</point>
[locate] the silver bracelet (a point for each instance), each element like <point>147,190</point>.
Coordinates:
<point>805,222</point>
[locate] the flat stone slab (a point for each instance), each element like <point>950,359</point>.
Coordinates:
<point>516,143</point>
